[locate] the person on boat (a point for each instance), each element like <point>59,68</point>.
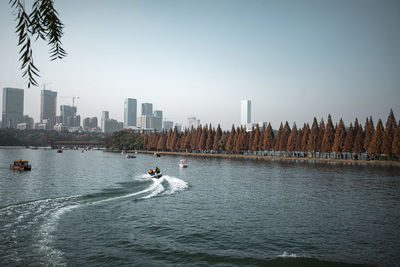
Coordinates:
<point>150,171</point>
<point>157,170</point>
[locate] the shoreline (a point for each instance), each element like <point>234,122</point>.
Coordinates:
<point>273,158</point>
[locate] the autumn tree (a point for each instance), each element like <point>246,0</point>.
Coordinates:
<point>298,139</point>
<point>174,139</point>
<point>255,145</point>
<point>358,147</point>
<point>388,135</point>
<point>261,141</point>
<point>231,140</point>
<point>193,141</point>
<point>268,138</point>
<point>375,146</point>
<point>349,141</point>
<point>292,140</point>
<point>284,137</point>
<point>340,137</point>
<point>203,138</point>
<point>278,138</point>
<point>396,141</point>
<point>313,137</point>
<point>217,138</point>
<point>162,142</point>
<point>369,133</point>
<point>304,138</point>
<point>329,137</point>
<point>321,132</point>
<point>210,138</point>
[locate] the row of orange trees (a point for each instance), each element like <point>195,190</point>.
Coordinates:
<point>318,140</point>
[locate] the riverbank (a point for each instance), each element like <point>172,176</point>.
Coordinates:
<point>281,158</point>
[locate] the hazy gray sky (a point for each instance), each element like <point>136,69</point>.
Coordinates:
<point>292,59</point>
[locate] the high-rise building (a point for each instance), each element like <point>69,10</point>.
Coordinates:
<point>147,109</point>
<point>130,110</point>
<point>48,107</point>
<point>158,113</point>
<point>13,107</point>
<point>245,112</point>
<point>105,115</point>
<point>66,112</point>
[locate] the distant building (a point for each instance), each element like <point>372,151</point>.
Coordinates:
<point>192,122</point>
<point>40,126</point>
<point>158,113</point>
<point>48,107</point>
<point>130,112</point>
<point>68,116</point>
<point>13,107</point>
<point>29,122</point>
<point>90,124</point>
<point>167,125</point>
<point>105,115</point>
<point>245,112</point>
<point>22,126</point>
<point>148,122</point>
<point>109,126</point>
<point>147,109</point>
<point>59,127</point>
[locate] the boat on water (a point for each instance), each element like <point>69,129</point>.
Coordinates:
<point>183,163</point>
<point>156,173</point>
<point>130,156</point>
<point>59,150</point>
<point>20,165</point>
<point>156,155</point>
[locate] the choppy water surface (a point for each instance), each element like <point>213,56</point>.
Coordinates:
<point>99,208</point>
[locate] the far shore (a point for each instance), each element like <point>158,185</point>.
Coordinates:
<point>282,158</point>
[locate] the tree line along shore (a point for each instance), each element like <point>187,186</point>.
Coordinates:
<point>320,141</point>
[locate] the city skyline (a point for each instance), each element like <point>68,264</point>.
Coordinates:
<point>294,60</point>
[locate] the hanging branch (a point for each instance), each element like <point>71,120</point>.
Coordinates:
<point>43,23</point>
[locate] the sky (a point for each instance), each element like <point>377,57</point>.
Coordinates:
<point>293,59</point>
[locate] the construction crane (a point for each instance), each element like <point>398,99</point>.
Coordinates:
<point>73,99</point>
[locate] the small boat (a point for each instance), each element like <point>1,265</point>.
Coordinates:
<point>130,156</point>
<point>183,163</point>
<point>59,150</point>
<point>20,165</point>
<point>156,155</point>
<point>156,173</point>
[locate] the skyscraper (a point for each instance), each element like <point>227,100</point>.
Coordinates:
<point>158,113</point>
<point>48,107</point>
<point>13,107</point>
<point>147,109</point>
<point>245,112</point>
<point>130,110</point>
<point>68,114</point>
<point>105,115</point>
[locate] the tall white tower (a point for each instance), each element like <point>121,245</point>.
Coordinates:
<point>245,112</point>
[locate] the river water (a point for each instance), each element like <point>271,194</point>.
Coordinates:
<point>99,208</point>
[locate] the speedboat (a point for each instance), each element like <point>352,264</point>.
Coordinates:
<point>156,173</point>
<point>20,165</point>
<point>183,163</point>
<point>130,156</point>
